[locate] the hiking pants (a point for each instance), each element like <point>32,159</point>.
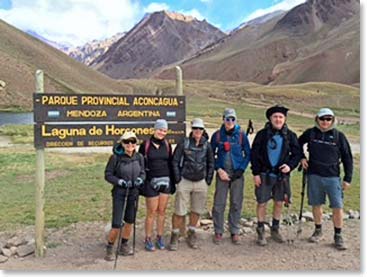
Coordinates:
<point>235,189</point>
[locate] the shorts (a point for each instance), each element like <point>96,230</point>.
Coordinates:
<point>318,187</point>
<point>194,193</point>
<point>148,191</point>
<point>273,187</point>
<point>118,200</point>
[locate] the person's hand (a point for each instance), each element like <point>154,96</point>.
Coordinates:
<point>346,185</point>
<point>138,182</point>
<point>257,180</point>
<point>304,164</point>
<point>223,175</point>
<point>284,168</point>
<point>122,183</point>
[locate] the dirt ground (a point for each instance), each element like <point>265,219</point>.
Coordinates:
<point>81,246</point>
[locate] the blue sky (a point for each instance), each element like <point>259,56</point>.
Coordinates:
<point>79,21</point>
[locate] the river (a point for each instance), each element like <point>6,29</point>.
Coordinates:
<point>7,118</point>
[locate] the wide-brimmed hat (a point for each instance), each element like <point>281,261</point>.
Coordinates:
<point>276,109</point>
<point>128,135</point>
<point>197,123</point>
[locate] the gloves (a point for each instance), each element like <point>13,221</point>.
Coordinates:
<point>237,174</point>
<point>122,183</point>
<point>138,182</point>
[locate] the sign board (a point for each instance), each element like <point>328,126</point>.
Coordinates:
<point>89,107</point>
<point>67,120</point>
<point>80,135</point>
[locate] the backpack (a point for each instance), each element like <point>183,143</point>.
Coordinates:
<point>218,138</point>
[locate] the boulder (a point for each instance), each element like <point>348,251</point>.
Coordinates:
<point>6,252</point>
<point>25,250</point>
<point>15,241</point>
<point>3,259</point>
<point>2,84</point>
<point>205,222</point>
<point>308,216</point>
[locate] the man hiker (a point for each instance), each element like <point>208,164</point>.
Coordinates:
<point>232,154</point>
<point>275,153</point>
<point>193,168</point>
<point>327,147</point>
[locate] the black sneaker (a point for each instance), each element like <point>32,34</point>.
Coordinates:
<point>339,242</point>
<point>316,236</point>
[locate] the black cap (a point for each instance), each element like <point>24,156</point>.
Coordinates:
<point>276,109</point>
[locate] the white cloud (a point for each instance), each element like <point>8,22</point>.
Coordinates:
<point>73,21</point>
<point>194,13</point>
<point>283,5</point>
<point>155,7</point>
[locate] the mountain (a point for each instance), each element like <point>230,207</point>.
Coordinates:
<point>314,41</point>
<point>260,20</point>
<point>63,46</point>
<point>159,39</point>
<point>21,55</point>
<point>88,52</point>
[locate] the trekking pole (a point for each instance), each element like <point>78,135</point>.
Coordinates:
<point>304,181</point>
<point>136,211</point>
<point>122,225</point>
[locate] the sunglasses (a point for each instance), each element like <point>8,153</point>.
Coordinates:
<point>324,118</point>
<point>197,128</point>
<point>128,141</point>
<point>230,119</point>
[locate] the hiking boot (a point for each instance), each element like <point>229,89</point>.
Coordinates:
<point>235,238</point>
<point>339,243</point>
<point>217,239</point>
<point>261,236</point>
<point>149,246</point>
<point>316,236</point>
<point>192,239</point>
<point>125,249</point>
<point>109,253</point>
<point>160,243</point>
<point>173,245</point>
<point>276,236</point>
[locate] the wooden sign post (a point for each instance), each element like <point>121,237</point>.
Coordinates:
<point>90,120</point>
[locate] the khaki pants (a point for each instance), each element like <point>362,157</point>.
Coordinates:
<point>191,192</point>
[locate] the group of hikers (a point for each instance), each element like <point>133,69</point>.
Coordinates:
<point>155,171</point>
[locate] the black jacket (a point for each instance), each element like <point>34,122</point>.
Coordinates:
<point>193,162</point>
<point>326,150</point>
<point>122,166</point>
<point>290,154</point>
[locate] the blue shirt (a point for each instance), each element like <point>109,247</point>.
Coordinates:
<point>274,147</point>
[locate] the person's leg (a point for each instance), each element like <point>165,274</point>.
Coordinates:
<point>162,206</point>
<point>277,213</point>
<point>263,194</point>
<point>219,205</point>
<point>151,210</point>
<point>335,193</point>
<point>235,208</point>
<point>316,198</point>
